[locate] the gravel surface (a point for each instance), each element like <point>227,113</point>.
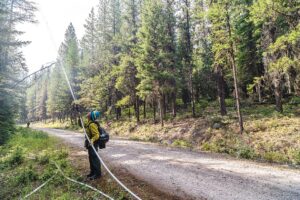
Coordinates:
<point>194,175</point>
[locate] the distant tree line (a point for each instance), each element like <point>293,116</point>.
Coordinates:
<point>165,56</point>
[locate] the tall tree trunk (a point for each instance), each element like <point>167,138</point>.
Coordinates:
<point>192,94</point>
<point>189,57</point>
<point>161,112</point>
<point>145,108</point>
<point>278,94</point>
<point>137,109</point>
<point>154,111</point>
<point>259,92</point>
<point>164,107</point>
<point>234,71</point>
<point>174,111</point>
<point>129,113</point>
<point>221,90</point>
<point>289,85</point>
<point>116,113</point>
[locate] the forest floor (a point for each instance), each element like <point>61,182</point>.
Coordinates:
<point>188,174</point>
<point>268,137</point>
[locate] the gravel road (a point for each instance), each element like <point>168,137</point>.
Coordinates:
<point>194,175</point>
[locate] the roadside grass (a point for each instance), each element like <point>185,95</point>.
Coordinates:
<point>27,161</point>
<point>67,125</point>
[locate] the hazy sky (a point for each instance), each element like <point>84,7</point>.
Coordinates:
<point>53,18</point>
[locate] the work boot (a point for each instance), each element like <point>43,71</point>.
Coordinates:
<point>89,175</point>
<point>94,177</point>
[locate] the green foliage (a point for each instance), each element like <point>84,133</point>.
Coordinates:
<point>275,157</point>
<point>37,167</point>
<point>156,72</point>
<point>26,176</point>
<point>246,153</point>
<point>16,158</point>
<point>202,104</point>
<point>296,157</point>
<point>181,143</point>
<point>295,100</point>
<point>230,102</point>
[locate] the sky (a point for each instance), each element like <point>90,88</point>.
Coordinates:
<point>53,18</point>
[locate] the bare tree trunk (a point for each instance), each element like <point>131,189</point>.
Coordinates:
<point>129,113</point>
<point>137,109</point>
<point>289,85</point>
<point>278,94</point>
<point>221,90</point>
<point>154,111</point>
<point>258,88</point>
<point>164,107</point>
<point>145,108</point>
<point>192,94</point>
<point>161,112</point>
<point>234,71</point>
<point>174,109</point>
<point>189,56</point>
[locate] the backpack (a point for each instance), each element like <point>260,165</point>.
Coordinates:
<point>104,136</point>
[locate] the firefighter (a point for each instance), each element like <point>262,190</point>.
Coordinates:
<point>93,134</point>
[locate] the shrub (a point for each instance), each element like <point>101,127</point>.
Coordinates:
<point>209,147</point>
<point>230,102</point>
<point>62,154</point>
<point>246,153</point>
<point>16,158</point>
<point>296,157</point>
<point>181,143</point>
<point>44,159</point>
<point>274,156</point>
<point>295,101</point>
<point>27,176</point>
<point>202,104</point>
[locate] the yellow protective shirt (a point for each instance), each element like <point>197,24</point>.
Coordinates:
<point>92,131</point>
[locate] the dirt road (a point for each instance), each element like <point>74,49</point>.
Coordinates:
<point>194,175</point>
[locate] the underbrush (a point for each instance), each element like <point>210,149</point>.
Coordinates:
<point>30,158</point>
<point>269,136</point>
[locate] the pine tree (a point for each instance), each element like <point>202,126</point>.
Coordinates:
<point>88,45</point>
<point>12,62</point>
<point>248,55</point>
<point>127,81</point>
<point>186,48</point>
<point>155,61</point>
<point>274,19</point>
<point>221,16</point>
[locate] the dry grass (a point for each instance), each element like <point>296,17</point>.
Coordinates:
<point>268,136</point>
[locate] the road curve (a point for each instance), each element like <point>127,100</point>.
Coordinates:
<point>194,175</point>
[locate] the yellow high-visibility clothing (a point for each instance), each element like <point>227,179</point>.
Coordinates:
<point>92,131</point>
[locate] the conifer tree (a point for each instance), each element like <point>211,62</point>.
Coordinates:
<point>127,81</point>
<point>155,63</point>
<point>186,48</point>
<point>221,15</point>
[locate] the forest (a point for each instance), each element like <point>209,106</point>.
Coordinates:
<point>204,84</point>
<point>157,59</point>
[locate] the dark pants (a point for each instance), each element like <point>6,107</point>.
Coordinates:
<point>95,164</point>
